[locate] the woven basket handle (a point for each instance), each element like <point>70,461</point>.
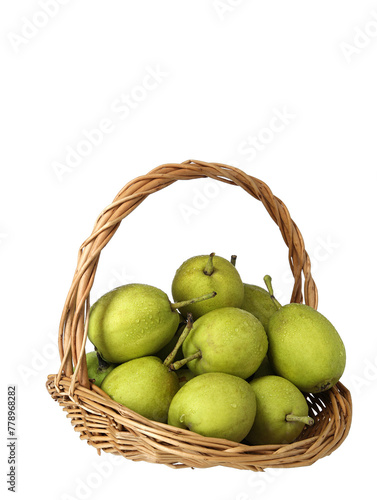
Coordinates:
<point>74,320</point>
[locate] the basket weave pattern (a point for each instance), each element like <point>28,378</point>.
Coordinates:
<point>111,427</point>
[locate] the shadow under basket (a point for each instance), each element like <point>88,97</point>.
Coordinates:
<point>113,428</point>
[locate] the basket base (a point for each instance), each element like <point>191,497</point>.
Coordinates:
<point>111,427</point>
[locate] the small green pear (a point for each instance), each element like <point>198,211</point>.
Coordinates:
<point>214,405</point>
<point>304,347</point>
<point>282,411</point>
<point>201,275</point>
<point>132,321</point>
<point>257,301</point>
<point>97,367</point>
<point>144,385</point>
<point>227,340</point>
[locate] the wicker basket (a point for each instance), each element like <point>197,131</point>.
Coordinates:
<point>113,428</point>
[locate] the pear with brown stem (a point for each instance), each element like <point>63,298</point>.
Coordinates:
<point>282,411</point>
<point>304,347</point>
<point>199,276</point>
<point>134,320</point>
<point>226,340</point>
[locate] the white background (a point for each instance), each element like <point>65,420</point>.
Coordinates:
<point>225,69</point>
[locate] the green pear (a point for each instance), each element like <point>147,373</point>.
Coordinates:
<point>132,321</point>
<point>257,301</point>
<point>97,367</point>
<point>144,385</point>
<point>227,340</point>
<point>304,347</point>
<point>202,274</point>
<point>282,411</point>
<point>214,405</point>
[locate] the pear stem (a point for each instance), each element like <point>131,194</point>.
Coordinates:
<point>178,305</point>
<point>296,418</point>
<point>267,279</point>
<point>178,364</point>
<point>170,358</point>
<point>233,259</point>
<point>209,268</point>
<point>102,364</point>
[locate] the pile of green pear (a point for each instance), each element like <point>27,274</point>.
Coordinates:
<point>224,360</point>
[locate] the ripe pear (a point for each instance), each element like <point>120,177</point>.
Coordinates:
<point>227,340</point>
<point>214,405</point>
<point>201,275</point>
<point>97,367</point>
<point>304,347</point>
<point>132,321</point>
<point>257,301</point>
<point>282,411</point>
<point>144,385</point>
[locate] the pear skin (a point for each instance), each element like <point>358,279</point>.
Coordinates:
<point>195,277</point>
<point>257,301</point>
<point>214,405</point>
<point>144,385</point>
<point>282,411</point>
<point>230,340</point>
<point>131,321</point>
<point>305,348</point>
